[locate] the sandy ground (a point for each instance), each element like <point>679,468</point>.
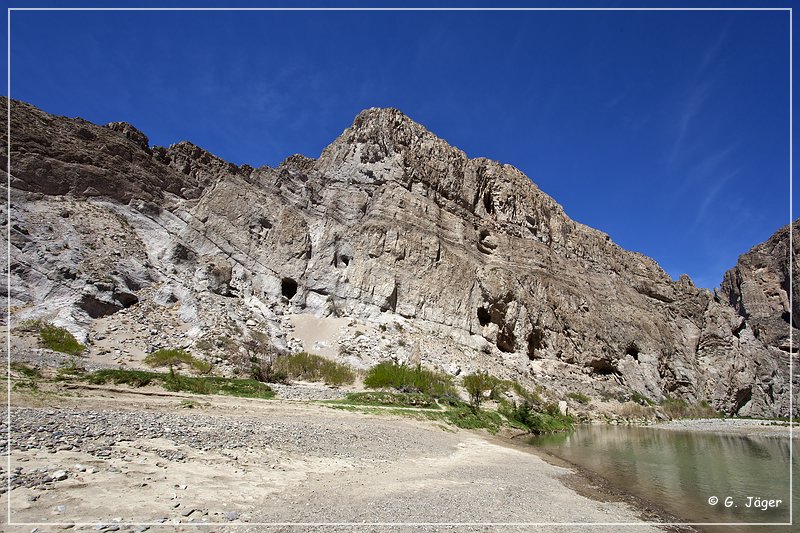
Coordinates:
<point>319,335</point>
<point>133,458</point>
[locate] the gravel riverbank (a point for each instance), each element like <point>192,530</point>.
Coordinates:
<point>732,426</point>
<point>109,461</point>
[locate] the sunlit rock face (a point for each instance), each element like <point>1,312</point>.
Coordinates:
<point>461,263</point>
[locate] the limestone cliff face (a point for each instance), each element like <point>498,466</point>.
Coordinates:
<point>390,222</point>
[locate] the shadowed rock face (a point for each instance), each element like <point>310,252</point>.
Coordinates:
<point>486,269</point>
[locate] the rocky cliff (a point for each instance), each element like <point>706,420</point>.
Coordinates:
<point>395,243</point>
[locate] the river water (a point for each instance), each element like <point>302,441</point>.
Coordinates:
<point>680,471</point>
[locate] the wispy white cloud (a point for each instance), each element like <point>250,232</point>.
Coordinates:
<point>710,195</point>
<point>711,54</point>
<point>691,108</point>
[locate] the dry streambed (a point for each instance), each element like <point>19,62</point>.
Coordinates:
<point>109,462</point>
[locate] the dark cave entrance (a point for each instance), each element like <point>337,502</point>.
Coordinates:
<point>288,288</point>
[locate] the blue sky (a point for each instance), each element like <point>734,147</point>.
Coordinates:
<point>667,130</point>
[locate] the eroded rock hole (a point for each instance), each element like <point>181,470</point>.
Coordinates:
<point>488,203</point>
<point>535,342</point>
<point>486,242</point>
<point>506,341</point>
<point>786,316</point>
<point>97,308</point>
<point>603,367</point>
<point>483,316</point>
<point>743,396</point>
<point>288,288</point>
<point>127,299</point>
<point>633,351</point>
<point>391,302</point>
<point>181,253</point>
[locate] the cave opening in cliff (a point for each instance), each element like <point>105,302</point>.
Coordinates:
<point>535,342</point>
<point>288,288</point>
<point>506,341</point>
<point>742,398</point>
<point>483,316</point>
<point>603,367</point>
<point>488,204</point>
<point>786,316</point>
<point>633,351</point>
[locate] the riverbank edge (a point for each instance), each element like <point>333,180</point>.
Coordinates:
<point>590,484</point>
<point>740,427</point>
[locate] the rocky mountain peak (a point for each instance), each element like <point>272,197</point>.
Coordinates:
<point>129,131</point>
<point>395,244</point>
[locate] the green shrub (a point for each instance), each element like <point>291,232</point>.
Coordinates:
<point>578,397</point>
<point>25,386</point>
<point>403,378</point>
<point>480,382</point>
<point>678,408</point>
<point>247,388</point>
<point>70,369</point>
<point>261,356</point>
<point>59,339</point>
<point>25,370</point>
<point>467,418</point>
<point>30,325</point>
<point>314,368</point>
<point>389,398</point>
<point>173,357</point>
<point>548,420</point>
<point>642,400</point>
<point>531,397</point>
<point>134,378</point>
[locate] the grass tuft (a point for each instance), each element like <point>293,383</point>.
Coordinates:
<point>59,339</point>
<point>393,399</point>
<point>677,408</point>
<point>173,357</point>
<point>245,388</point>
<point>407,379</point>
<point>546,420</point>
<point>579,397</point>
<point>314,368</point>
<point>25,370</point>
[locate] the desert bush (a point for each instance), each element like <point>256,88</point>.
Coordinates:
<point>70,369</point>
<point>536,420</point>
<point>173,381</point>
<point>466,417</point>
<point>403,378</point>
<point>641,400</point>
<point>312,367</point>
<point>678,408</point>
<point>478,384</point>
<point>578,397</point>
<point>260,358</point>
<point>402,399</point>
<point>134,378</point>
<point>58,339</point>
<point>632,410</point>
<point>173,357</point>
<point>25,370</point>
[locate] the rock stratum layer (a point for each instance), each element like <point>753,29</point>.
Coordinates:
<point>460,263</point>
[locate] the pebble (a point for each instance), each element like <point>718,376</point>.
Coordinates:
<point>59,475</point>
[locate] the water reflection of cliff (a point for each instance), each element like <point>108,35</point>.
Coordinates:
<point>680,471</point>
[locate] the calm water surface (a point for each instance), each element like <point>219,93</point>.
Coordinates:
<point>680,471</point>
